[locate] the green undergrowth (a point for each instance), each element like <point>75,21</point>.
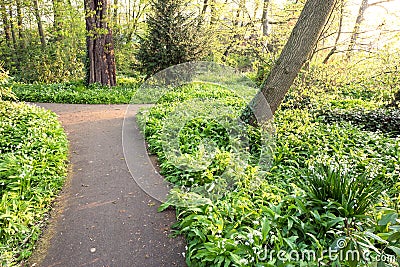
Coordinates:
<point>333,185</point>
<point>33,158</point>
<point>76,92</point>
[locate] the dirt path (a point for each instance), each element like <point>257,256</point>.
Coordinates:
<point>102,217</point>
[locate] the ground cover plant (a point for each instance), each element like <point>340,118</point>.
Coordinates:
<point>76,92</point>
<point>333,185</point>
<point>33,158</point>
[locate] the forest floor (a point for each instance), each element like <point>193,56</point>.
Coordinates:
<point>102,217</point>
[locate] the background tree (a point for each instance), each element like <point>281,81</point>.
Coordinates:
<point>301,43</point>
<point>174,36</point>
<point>357,26</point>
<point>99,42</point>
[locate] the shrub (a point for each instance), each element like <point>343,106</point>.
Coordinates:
<point>175,36</point>
<point>5,91</point>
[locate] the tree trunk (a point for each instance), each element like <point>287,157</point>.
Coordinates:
<point>115,15</point>
<point>264,19</point>
<point>100,47</point>
<point>12,29</point>
<point>39,23</point>
<point>205,6</point>
<point>357,26</point>
<point>6,23</point>
<point>19,24</point>
<point>300,44</point>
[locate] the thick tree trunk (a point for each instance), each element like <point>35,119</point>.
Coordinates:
<point>100,47</point>
<point>357,26</point>
<point>39,23</point>
<point>300,44</point>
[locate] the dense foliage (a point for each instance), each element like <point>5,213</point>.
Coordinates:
<point>174,36</point>
<point>332,185</point>
<point>5,92</point>
<point>334,179</point>
<point>384,120</point>
<point>76,92</point>
<point>33,155</point>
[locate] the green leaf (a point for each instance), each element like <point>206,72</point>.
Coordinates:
<point>375,237</point>
<point>395,250</point>
<point>388,218</point>
<point>265,228</point>
<point>235,258</point>
<point>393,237</point>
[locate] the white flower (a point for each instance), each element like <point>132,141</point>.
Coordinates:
<point>257,233</point>
<point>243,261</point>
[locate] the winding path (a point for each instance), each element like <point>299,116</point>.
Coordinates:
<point>102,217</point>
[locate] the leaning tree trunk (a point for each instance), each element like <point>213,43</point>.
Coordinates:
<point>100,48</point>
<point>300,44</point>
<point>357,26</point>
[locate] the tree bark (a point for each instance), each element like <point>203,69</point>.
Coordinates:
<point>300,44</point>
<point>39,23</point>
<point>100,47</point>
